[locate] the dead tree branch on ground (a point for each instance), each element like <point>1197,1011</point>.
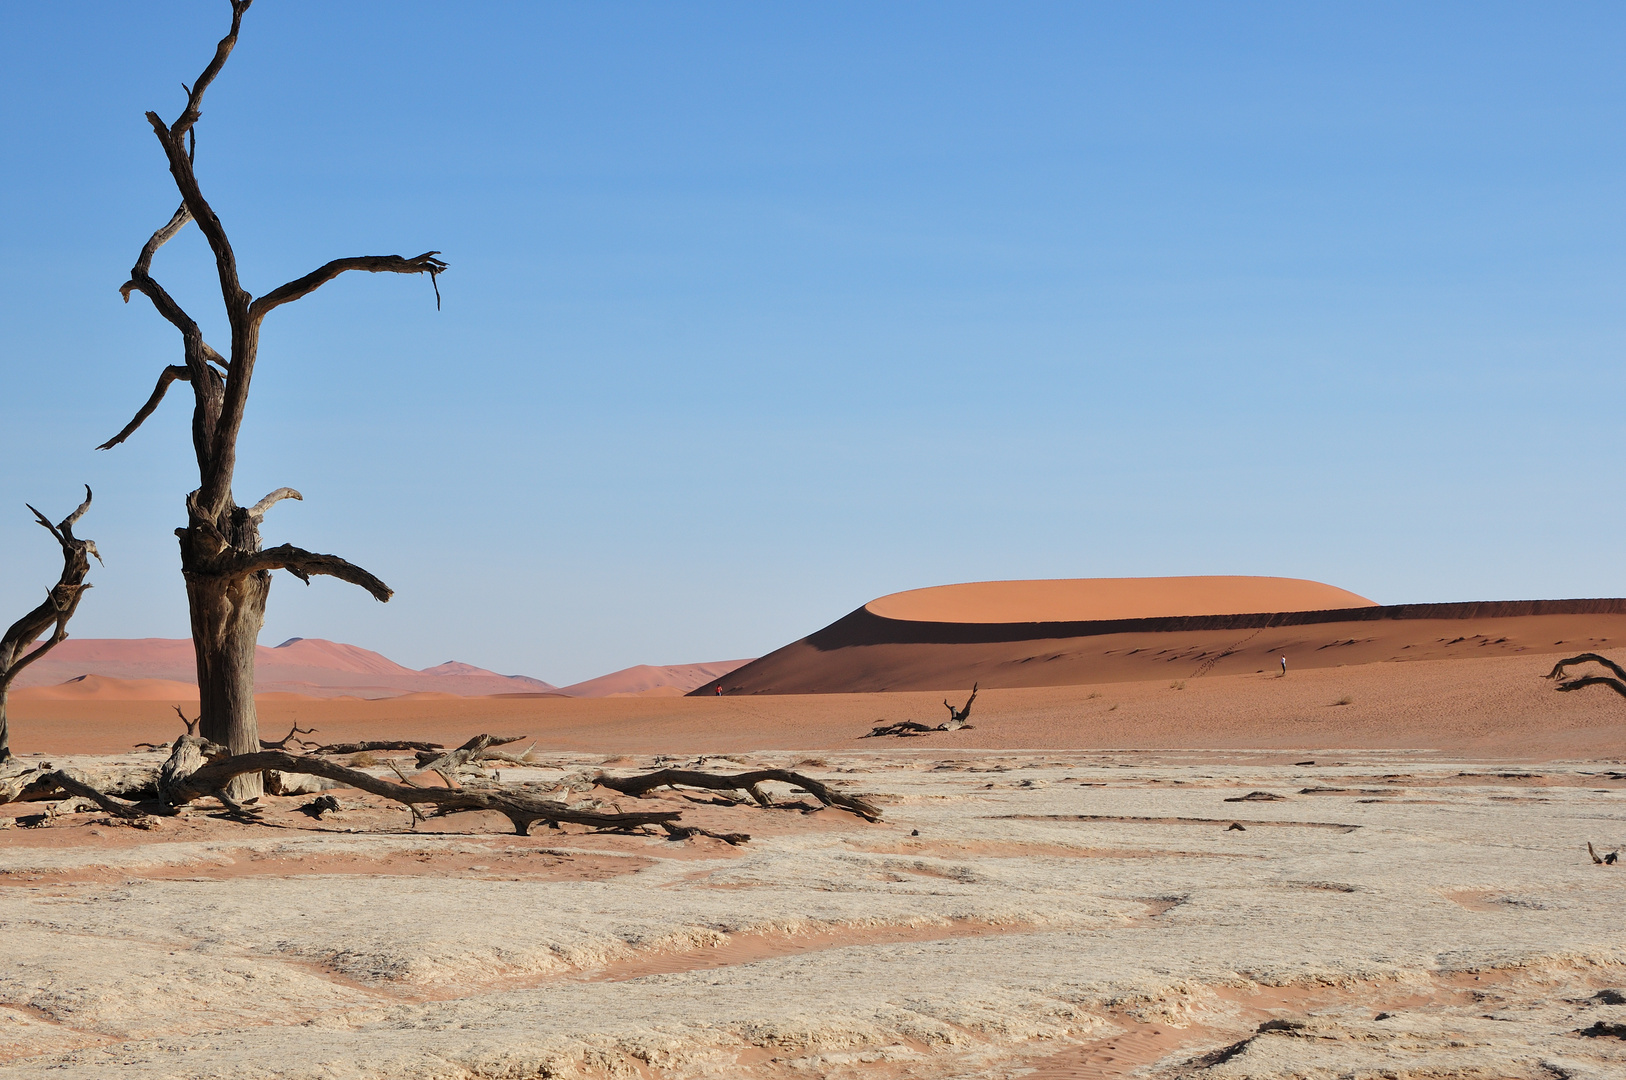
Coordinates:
<point>909,729</point>
<point>745,781</point>
<point>228,575</point>
<point>957,717</point>
<point>199,769</point>
<point>60,602</point>
<point>376,744</point>
<point>1617,683</point>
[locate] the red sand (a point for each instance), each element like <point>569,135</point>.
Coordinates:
<point>1496,707</point>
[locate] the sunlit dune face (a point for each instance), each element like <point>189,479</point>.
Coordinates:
<point>1088,599</point>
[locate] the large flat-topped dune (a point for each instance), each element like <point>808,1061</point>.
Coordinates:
<point>1096,599</point>
<point>1104,630</point>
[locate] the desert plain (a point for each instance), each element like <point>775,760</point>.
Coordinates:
<point>1376,868</point>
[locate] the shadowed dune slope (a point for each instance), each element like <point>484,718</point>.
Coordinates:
<point>873,649</point>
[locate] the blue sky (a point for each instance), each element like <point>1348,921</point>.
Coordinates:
<point>758,311</point>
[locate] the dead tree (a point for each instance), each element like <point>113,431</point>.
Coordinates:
<point>1617,683</point>
<point>957,717</point>
<point>228,574</point>
<point>58,607</point>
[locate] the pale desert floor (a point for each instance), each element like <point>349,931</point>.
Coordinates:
<point>1074,914</point>
<point>1048,910</point>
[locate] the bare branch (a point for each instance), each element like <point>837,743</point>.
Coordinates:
<point>376,744</point>
<point>164,235</point>
<point>1586,657</point>
<point>58,636</point>
<point>1616,685</point>
<point>521,808</point>
<point>373,264</point>
<point>165,377</point>
<point>73,785</point>
<point>45,523</point>
<point>638,785</point>
<point>257,511</point>
<point>67,523</point>
<point>282,743</point>
<point>194,94</point>
<point>302,564</point>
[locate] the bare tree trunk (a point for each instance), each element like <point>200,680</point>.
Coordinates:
<point>58,607</point>
<point>227,573</point>
<point>226,620</point>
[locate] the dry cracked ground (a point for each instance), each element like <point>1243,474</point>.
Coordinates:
<point>1048,915</point>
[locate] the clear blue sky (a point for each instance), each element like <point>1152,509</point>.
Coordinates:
<point>757,311</point>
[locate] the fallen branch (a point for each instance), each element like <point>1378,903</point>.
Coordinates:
<point>282,743</point>
<point>903,729</point>
<point>67,782</point>
<point>367,746</point>
<point>472,750</point>
<point>746,781</point>
<point>957,717</point>
<point>521,809</point>
<point>683,832</point>
<point>1617,684</point>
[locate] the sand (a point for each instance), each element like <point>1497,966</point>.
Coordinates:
<point>862,652</point>
<point>1083,599</point>
<point>1495,707</point>
<point>1076,913</point>
<point>1373,866</point>
<point>649,680</point>
<point>310,666</point>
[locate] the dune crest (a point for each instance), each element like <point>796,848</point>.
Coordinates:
<point>1093,599</point>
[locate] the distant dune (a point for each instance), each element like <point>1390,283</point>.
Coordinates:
<point>646,680</point>
<point>1061,633</point>
<point>309,666</point>
<point>103,688</point>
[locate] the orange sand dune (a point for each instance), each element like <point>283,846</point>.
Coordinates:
<point>892,644</point>
<point>1498,707</point>
<point>1083,599</point>
<point>645,680</point>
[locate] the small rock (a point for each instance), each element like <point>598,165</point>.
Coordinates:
<point>1236,826</point>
